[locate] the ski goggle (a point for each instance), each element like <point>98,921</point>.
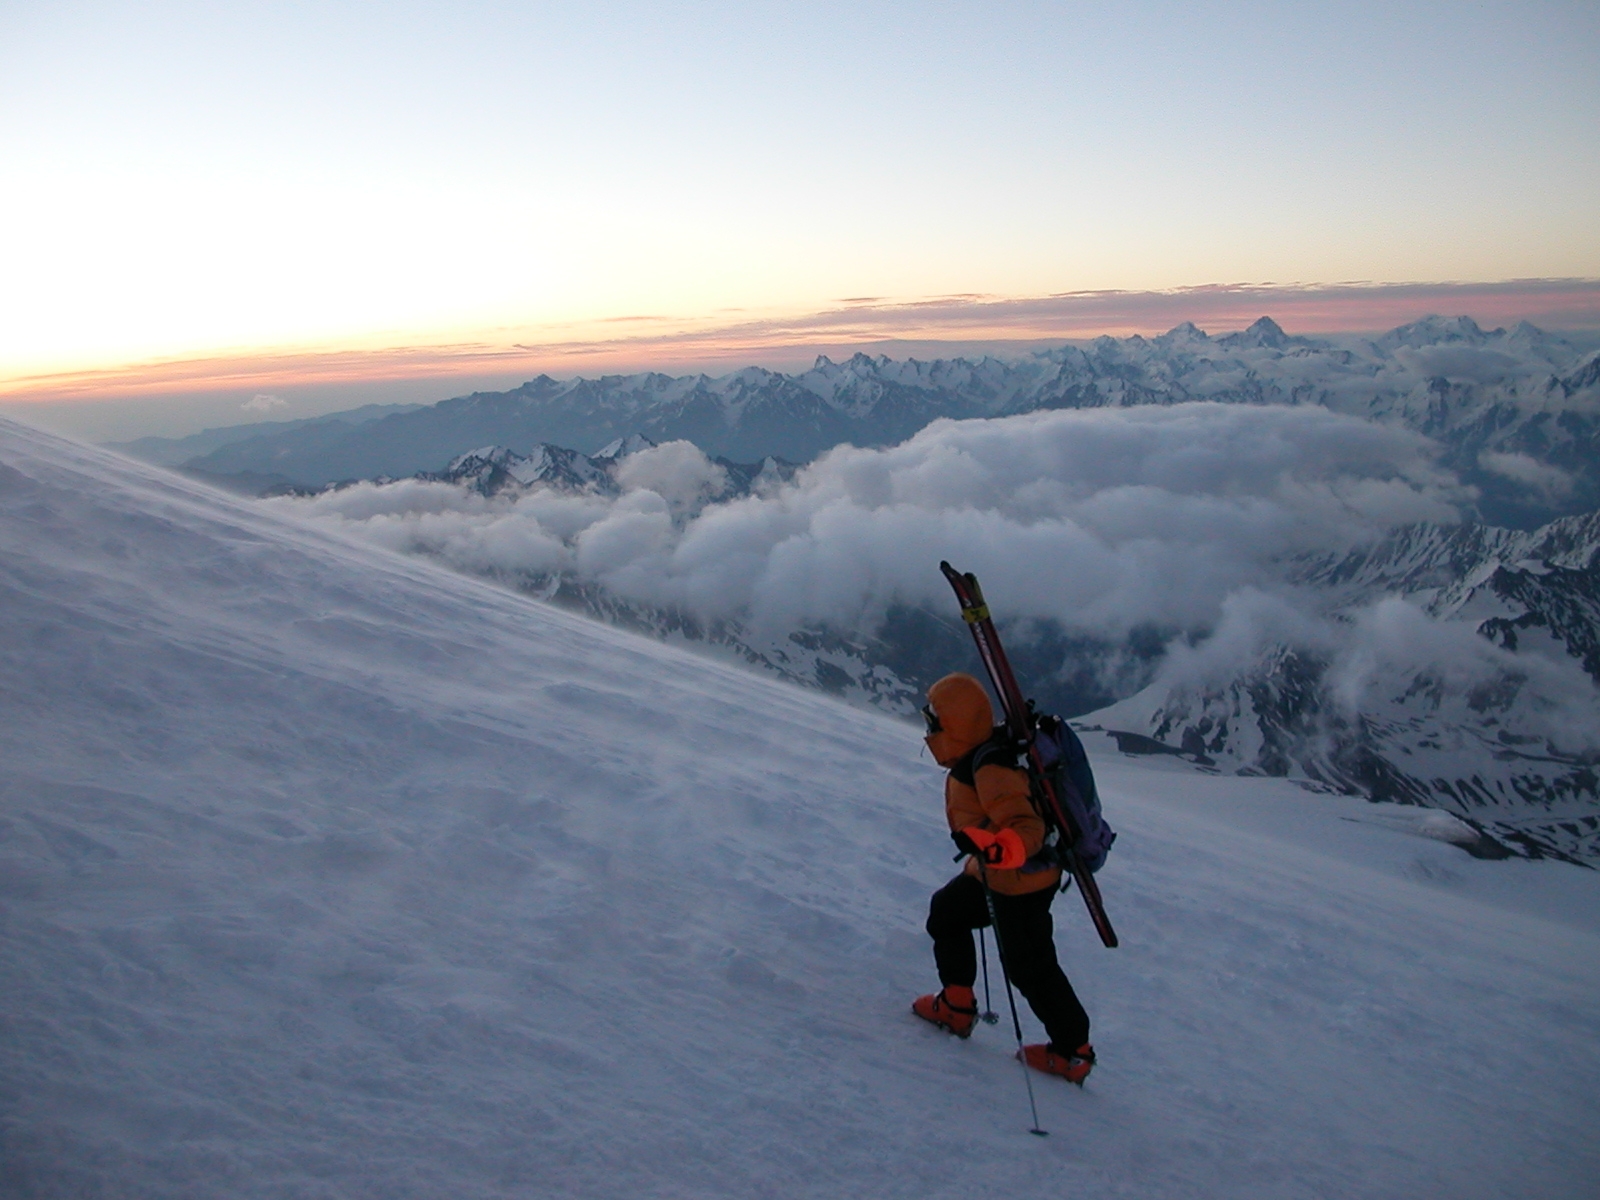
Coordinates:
<point>932,718</point>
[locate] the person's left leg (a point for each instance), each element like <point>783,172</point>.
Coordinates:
<point>1027,936</point>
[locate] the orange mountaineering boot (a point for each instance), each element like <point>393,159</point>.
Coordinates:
<point>1074,1067</point>
<point>954,1008</point>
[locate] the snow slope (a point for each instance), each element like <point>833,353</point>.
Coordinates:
<point>327,873</point>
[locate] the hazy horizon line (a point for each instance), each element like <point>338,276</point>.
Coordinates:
<point>662,343</point>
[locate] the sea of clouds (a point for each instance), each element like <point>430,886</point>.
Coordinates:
<point>1102,520</point>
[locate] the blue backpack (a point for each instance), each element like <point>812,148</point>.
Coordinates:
<point>1066,765</point>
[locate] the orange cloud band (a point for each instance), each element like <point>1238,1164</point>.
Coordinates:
<point>660,342</point>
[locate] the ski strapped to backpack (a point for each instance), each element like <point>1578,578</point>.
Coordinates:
<point>1063,786</point>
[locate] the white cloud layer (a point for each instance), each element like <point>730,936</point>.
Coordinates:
<point>1545,478</point>
<point>1381,656</point>
<point>1101,519</point>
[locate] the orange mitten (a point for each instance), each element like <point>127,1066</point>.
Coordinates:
<point>1003,849</point>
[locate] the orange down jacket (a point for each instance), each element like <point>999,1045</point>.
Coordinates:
<point>997,797</point>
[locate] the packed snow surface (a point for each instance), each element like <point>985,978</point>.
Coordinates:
<point>327,873</point>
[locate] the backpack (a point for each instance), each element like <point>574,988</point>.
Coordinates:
<point>1066,766</point>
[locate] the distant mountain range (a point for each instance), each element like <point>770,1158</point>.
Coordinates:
<point>174,452</point>
<point>1516,412</point>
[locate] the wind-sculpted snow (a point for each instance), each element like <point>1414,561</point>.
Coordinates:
<point>329,873</point>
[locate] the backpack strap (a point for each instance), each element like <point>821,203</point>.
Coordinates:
<point>997,751</point>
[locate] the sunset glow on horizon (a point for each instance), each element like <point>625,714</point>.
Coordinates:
<point>658,343</point>
<point>207,199</point>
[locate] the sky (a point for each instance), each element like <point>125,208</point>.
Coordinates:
<point>243,199</point>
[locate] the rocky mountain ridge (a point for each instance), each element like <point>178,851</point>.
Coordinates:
<point>1478,750</point>
<point>491,471</point>
<point>1515,585</point>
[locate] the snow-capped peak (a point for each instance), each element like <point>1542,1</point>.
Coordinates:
<point>620,448</point>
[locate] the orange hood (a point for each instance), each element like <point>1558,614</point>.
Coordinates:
<point>965,717</point>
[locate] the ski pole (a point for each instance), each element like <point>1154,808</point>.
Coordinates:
<point>1016,1025</point>
<point>989,1016</point>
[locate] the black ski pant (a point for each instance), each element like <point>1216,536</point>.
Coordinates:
<point>1026,938</point>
